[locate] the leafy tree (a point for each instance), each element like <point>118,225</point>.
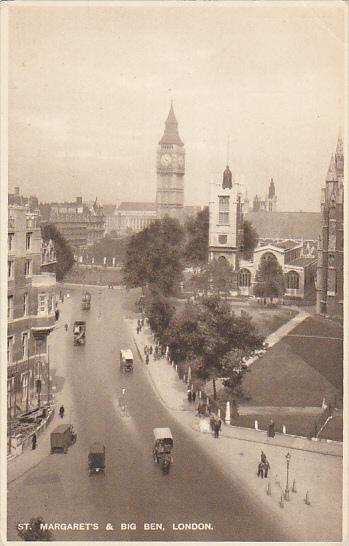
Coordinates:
<point>250,239</point>
<point>159,313</point>
<point>196,248</point>
<point>206,332</point>
<point>220,276</point>
<point>35,531</point>
<point>270,279</point>
<point>154,256</point>
<point>64,253</point>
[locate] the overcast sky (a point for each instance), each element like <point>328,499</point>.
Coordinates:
<point>90,89</point>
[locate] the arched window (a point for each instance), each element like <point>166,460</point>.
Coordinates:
<point>268,257</point>
<point>244,277</point>
<point>222,259</point>
<point>292,279</point>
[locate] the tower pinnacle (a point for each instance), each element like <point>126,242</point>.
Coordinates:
<point>171,135</point>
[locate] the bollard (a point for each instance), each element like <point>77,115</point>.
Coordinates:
<point>294,490</point>
<point>172,363</point>
<point>184,378</point>
<point>256,424</point>
<point>219,413</point>
<point>176,368</point>
<point>200,394</point>
<point>281,501</point>
<point>307,498</point>
<point>227,413</point>
<point>283,429</point>
<point>269,490</point>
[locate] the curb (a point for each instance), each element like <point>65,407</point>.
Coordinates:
<point>232,426</point>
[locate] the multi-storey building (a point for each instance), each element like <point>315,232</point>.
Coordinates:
<point>329,282</point>
<point>31,303</point>
<point>81,224</point>
<point>170,168</point>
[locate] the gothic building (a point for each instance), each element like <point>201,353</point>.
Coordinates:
<point>226,221</point>
<point>269,203</point>
<point>170,167</point>
<point>329,283</point>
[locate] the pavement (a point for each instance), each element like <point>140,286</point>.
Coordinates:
<point>315,468</point>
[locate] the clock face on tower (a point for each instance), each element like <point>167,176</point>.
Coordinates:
<point>166,160</point>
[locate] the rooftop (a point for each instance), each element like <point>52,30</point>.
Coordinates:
<point>137,206</point>
<point>302,262</point>
<point>286,225</point>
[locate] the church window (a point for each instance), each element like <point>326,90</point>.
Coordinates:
<point>222,239</point>
<point>292,280</point>
<point>223,210</point>
<point>244,277</point>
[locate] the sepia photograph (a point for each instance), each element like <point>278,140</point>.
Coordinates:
<point>172,180</point>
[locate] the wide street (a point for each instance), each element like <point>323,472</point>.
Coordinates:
<point>133,489</point>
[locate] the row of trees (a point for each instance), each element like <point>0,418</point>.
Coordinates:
<point>206,335</point>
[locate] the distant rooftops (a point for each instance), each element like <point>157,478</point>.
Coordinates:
<point>286,225</point>
<point>137,206</point>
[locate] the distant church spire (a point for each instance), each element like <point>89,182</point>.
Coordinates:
<point>331,173</point>
<point>171,135</point>
<point>271,192</point>
<point>227,178</point>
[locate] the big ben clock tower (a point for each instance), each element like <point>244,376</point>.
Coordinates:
<point>170,168</point>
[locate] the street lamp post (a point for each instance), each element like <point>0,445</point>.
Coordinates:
<point>287,490</point>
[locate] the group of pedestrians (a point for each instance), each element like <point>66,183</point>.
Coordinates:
<point>148,351</point>
<point>191,395</point>
<point>140,325</point>
<point>263,466</point>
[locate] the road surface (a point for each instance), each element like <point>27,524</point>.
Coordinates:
<point>133,489</point>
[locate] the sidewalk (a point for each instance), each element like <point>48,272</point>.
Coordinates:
<point>316,467</point>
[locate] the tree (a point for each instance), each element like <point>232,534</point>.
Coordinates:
<point>36,531</point>
<point>159,313</point>
<point>196,247</point>
<point>64,253</point>
<point>270,278</point>
<point>220,276</point>
<point>206,332</point>
<point>250,239</point>
<point>154,256</point>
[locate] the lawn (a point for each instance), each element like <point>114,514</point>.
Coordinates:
<point>80,275</point>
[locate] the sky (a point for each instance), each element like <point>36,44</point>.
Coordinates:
<point>90,87</point>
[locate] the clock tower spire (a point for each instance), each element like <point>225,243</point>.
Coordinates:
<point>170,168</point>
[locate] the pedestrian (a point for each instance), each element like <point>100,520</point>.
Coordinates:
<point>151,349</point>
<point>212,423</point>
<point>137,329</point>
<point>142,323</point>
<point>146,350</point>
<point>193,396</point>
<point>57,314</point>
<point>260,469</point>
<point>66,327</point>
<point>216,429</point>
<point>271,429</point>
<point>138,323</point>
<point>189,395</point>
<point>147,359</point>
<point>34,441</point>
<point>266,468</point>
<point>263,457</point>
<point>219,424</point>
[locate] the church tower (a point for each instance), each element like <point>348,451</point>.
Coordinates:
<point>226,221</point>
<point>170,168</point>
<point>271,199</point>
<point>330,267</point>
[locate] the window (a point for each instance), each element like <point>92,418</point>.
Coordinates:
<point>222,239</point>
<point>10,269</point>
<point>25,345</point>
<point>9,307</point>
<point>9,390</point>
<point>223,211</point>
<point>25,385</point>
<point>27,268</point>
<point>10,341</point>
<point>42,303</point>
<point>244,277</point>
<point>292,280</point>
<point>25,304</point>
<point>10,241</point>
<point>28,241</point>
<point>50,304</point>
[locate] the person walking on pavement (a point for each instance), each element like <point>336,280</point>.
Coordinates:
<point>260,470</point>
<point>189,395</point>
<point>137,329</point>
<point>151,349</point>
<point>66,327</point>
<point>147,358</point>
<point>266,467</point>
<point>216,429</point>
<point>146,350</point>
<point>34,441</point>
<point>263,457</point>
<point>193,396</point>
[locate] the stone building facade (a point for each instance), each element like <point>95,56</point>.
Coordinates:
<point>31,304</point>
<point>170,168</point>
<point>330,267</point>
